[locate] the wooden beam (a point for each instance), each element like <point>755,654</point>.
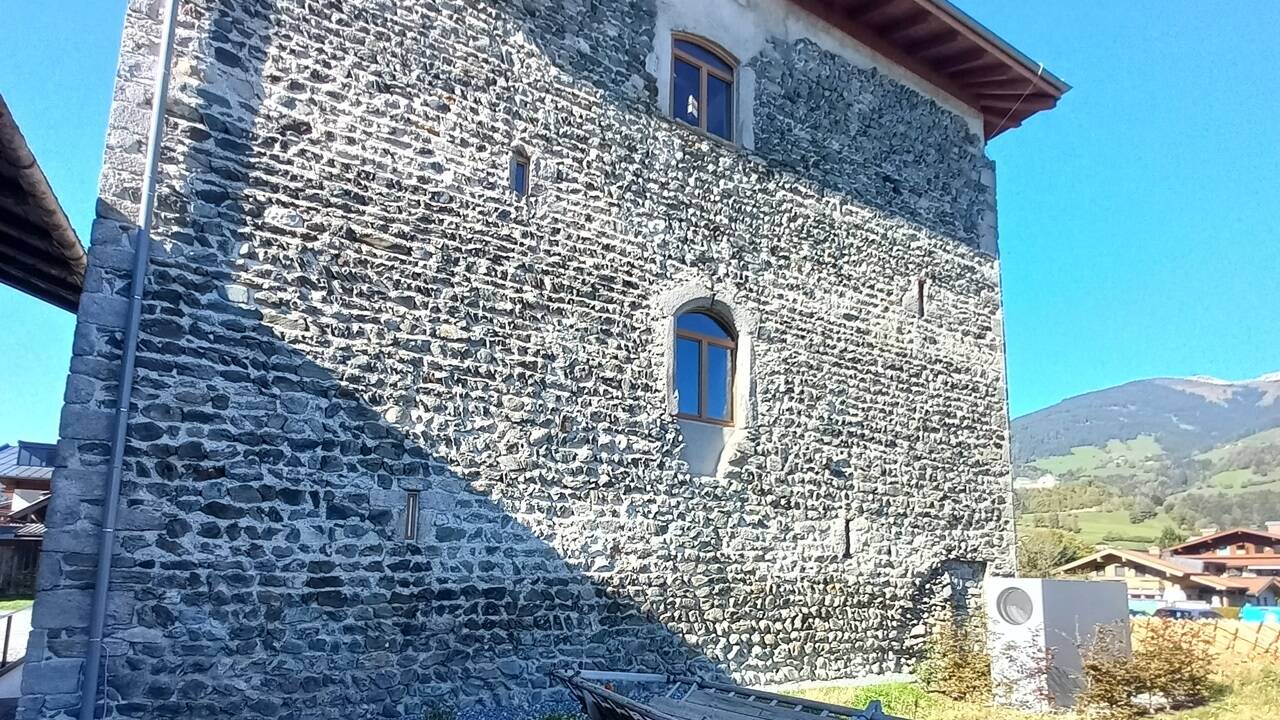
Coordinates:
<point>902,25</point>
<point>1031,103</point>
<point>1018,84</point>
<point>957,60</point>
<point>931,43</point>
<point>865,8</point>
<point>978,73</point>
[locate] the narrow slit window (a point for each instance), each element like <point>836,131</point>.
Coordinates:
<point>411,516</point>
<point>702,80</point>
<point>520,174</point>
<point>920,297</point>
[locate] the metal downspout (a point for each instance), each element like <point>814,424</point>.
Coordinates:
<point>142,252</point>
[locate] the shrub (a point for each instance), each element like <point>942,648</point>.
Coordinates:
<point>1172,665</point>
<point>956,663</point>
<point>1040,551</point>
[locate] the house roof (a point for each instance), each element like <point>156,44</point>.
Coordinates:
<point>1189,546</point>
<point>27,460</point>
<point>1248,585</point>
<point>1138,558</point>
<point>29,510</point>
<point>1237,560</point>
<point>39,251</point>
<point>1182,568</point>
<point>942,45</point>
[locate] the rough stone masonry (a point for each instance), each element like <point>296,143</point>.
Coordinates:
<point>347,304</point>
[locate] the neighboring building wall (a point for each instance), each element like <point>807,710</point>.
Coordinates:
<point>346,304</point>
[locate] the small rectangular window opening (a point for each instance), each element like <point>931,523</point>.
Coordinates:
<point>411,516</point>
<point>920,297</point>
<point>520,174</point>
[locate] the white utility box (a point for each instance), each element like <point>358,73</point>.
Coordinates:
<point>1036,630</point>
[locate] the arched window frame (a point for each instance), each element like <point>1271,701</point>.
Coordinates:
<point>704,342</point>
<point>704,69</point>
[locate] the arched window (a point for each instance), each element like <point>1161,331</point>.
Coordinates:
<point>705,356</point>
<point>702,86</point>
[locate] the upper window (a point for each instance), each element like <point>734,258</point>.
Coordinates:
<point>520,173</point>
<point>702,86</point>
<point>705,350</point>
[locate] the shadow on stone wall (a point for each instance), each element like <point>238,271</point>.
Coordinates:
<point>264,559</point>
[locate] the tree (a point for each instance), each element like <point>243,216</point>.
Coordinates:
<point>1143,510</point>
<point>1170,536</point>
<point>1041,551</point>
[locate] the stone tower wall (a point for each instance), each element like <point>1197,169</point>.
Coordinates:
<point>346,304</point>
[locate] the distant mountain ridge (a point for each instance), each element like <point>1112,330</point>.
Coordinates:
<point>1184,415</point>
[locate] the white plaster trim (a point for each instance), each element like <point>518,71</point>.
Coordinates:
<point>699,292</point>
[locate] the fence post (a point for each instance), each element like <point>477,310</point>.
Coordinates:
<point>8,625</point>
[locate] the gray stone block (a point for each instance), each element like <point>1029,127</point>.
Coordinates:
<point>51,677</point>
<point>60,609</point>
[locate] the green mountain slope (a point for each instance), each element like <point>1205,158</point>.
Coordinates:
<point>1185,416</point>
<point>1127,463</point>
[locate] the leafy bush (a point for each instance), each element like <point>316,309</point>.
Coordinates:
<point>1042,551</point>
<point>1172,665</point>
<point>956,663</point>
<point>1170,536</point>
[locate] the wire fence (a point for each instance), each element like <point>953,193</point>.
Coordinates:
<point>1233,640</point>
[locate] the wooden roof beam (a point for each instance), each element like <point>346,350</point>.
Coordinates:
<point>902,25</point>
<point>864,9</point>
<point>981,72</point>
<point>931,43</point>
<point>1030,103</point>
<point>959,60</point>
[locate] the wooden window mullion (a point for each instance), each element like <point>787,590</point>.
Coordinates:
<point>702,380</point>
<point>702,99</point>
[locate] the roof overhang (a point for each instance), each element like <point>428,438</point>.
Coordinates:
<point>1106,554</point>
<point>946,48</point>
<point>39,251</point>
<point>1218,537</point>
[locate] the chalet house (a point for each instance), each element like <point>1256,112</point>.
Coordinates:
<point>1241,551</point>
<point>467,340</point>
<point>1232,568</point>
<point>25,471</point>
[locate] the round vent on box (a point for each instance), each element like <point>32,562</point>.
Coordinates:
<point>1014,606</point>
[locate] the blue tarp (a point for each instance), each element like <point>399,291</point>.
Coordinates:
<point>1255,613</point>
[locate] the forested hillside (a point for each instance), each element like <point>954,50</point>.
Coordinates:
<point>1154,460</point>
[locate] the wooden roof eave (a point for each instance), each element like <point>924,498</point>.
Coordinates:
<point>1153,563</point>
<point>43,256</point>
<point>951,51</point>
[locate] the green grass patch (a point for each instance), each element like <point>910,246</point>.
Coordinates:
<point>1117,454</point>
<point>1249,693</point>
<point>9,605</point>
<point>901,699</point>
<point>1097,525</point>
<point>1265,438</point>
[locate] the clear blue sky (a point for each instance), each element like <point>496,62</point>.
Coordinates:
<point>1138,220</point>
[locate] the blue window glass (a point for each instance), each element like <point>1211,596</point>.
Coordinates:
<point>719,380</point>
<point>704,368</point>
<point>688,375</point>
<point>702,88</point>
<point>686,102</point>
<point>719,107</point>
<point>702,324</point>
<point>703,55</point>
<point>520,175</point>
